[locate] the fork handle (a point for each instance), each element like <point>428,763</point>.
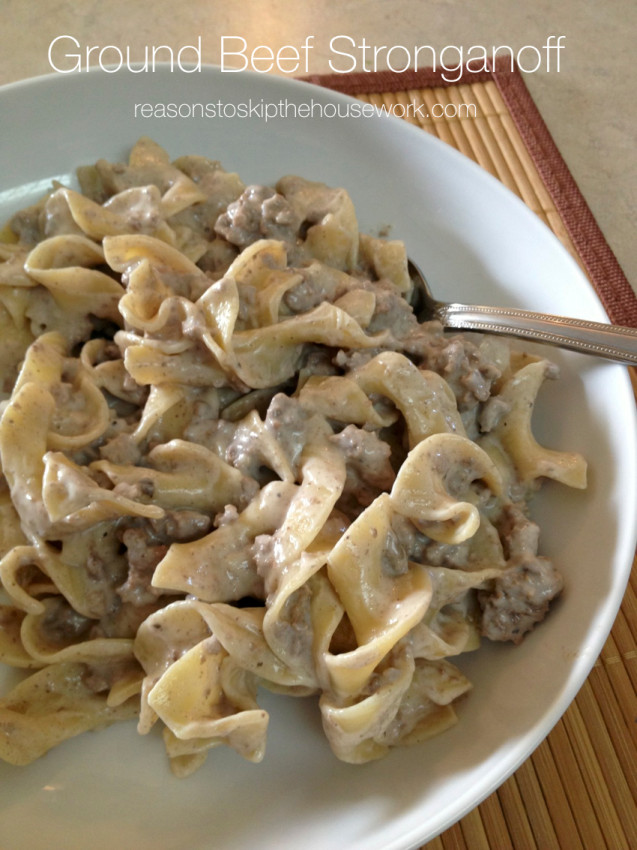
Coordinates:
<point>613,342</point>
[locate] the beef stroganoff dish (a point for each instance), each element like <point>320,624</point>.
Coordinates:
<point>233,460</point>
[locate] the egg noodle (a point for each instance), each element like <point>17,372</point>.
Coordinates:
<point>233,460</point>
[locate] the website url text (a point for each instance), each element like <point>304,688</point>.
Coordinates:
<point>271,110</point>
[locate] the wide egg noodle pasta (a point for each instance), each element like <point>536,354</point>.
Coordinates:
<point>231,459</point>
<point>65,266</point>
<point>187,566</point>
<point>421,490</point>
<point>50,706</point>
<point>513,436</point>
<point>184,475</point>
<point>380,608</point>
<point>422,397</point>
<point>332,235</point>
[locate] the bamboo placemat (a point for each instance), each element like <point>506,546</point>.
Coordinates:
<point>577,791</point>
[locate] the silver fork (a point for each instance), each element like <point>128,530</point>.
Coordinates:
<point>613,342</point>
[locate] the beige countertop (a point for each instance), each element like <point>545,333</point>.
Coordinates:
<point>588,104</point>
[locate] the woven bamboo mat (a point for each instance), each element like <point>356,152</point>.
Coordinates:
<point>577,791</point>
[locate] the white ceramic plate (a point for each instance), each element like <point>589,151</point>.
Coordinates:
<point>476,242</point>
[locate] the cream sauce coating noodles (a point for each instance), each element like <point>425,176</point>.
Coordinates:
<point>233,460</point>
